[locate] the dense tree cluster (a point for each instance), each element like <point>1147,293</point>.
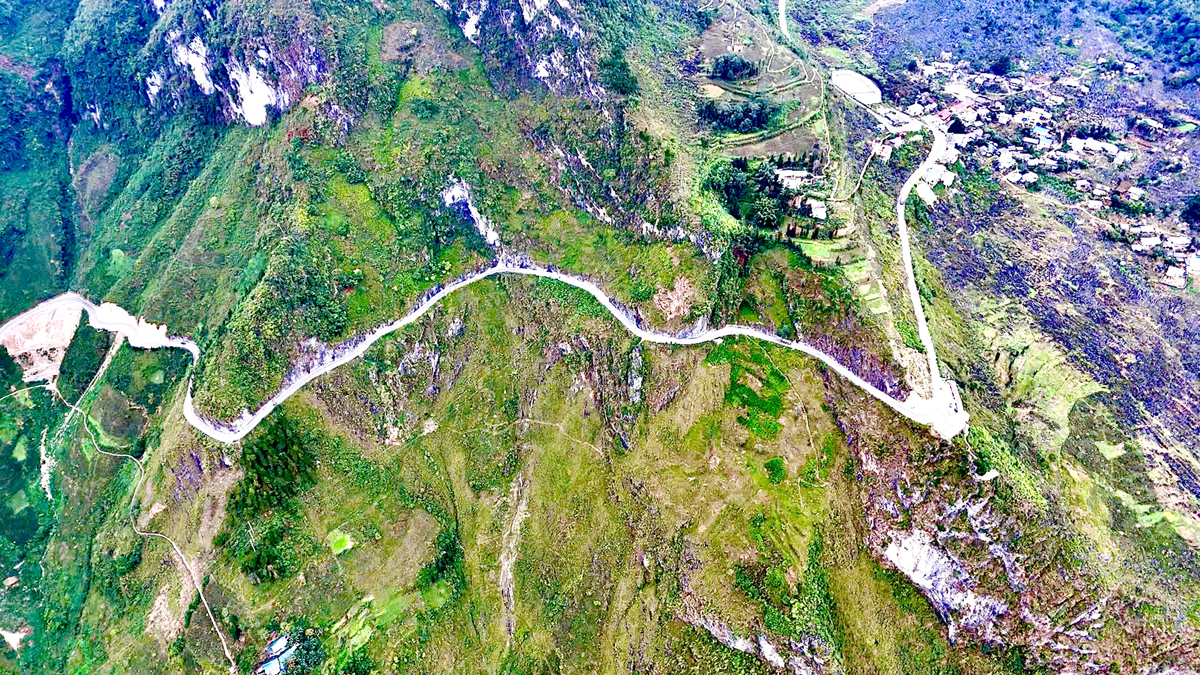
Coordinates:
<point>740,116</point>
<point>614,70</point>
<point>279,464</point>
<point>1191,212</point>
<point>733,67</point>
<point>809,160</point>
<point>1166,30</point>
<point>753,194</point>
<point>1097,130</point>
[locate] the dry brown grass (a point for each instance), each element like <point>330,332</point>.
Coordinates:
<point>675,303</point>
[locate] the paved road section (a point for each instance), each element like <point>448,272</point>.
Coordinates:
<point>947,421</point>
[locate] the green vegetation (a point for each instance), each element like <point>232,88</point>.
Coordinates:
<point>776,470</point>
<point>279,463</point>
<point>739,116</point>
<point>614,70</point>
<point>1191,211</point>
<point>1165,30</point>
<point>754,384</point>
<point>753,194</point>
<point>733,67</point>
<point>386,508</point>
<point>807,610</point>
<point>310,652</point>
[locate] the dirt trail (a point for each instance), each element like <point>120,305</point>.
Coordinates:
<point>192,576</point>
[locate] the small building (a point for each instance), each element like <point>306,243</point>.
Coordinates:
<point>926,193</point>
<point>793,179</point>
<point>953,110</point>
<point>277,655</point>
<point>1174,277</point>
<point>1192,265</point>
<point>1137,193</point>
<point>818,208</point>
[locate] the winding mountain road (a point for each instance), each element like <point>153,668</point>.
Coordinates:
<point>932,413</point>
<point>935,153</point>
<point>942,412</point>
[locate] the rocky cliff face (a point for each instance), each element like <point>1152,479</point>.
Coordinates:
<point>534,39</point>
<point>262,71</point>
<point>253,77</point>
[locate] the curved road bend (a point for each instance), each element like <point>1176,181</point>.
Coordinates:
<point>937,152</point>
<point>932,413</point>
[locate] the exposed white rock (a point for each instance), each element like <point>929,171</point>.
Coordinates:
<point>194,55</point>
<point>457,193</point>
<point>13,638</point>
<point>943,580</point>
<point>769,653</point>
<point>518,499</point>
<point>530,8</point>
<point>154,84</point>
<point>470,27</point>
<point>254,93</point>
<point>635,375</point>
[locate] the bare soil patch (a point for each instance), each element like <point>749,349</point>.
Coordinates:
<point>396,560</point>
<point>416,43</point>
<point>117,415</point>
<point>797,141</point>
<point>91,182</point>
<point>162,622</point>
<point>676,302</point>
<point>38,343</point>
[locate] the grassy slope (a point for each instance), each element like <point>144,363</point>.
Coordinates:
<point>601,550</point>
<point>206,220</point>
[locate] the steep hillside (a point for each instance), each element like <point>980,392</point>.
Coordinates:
<point>514,481</point>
